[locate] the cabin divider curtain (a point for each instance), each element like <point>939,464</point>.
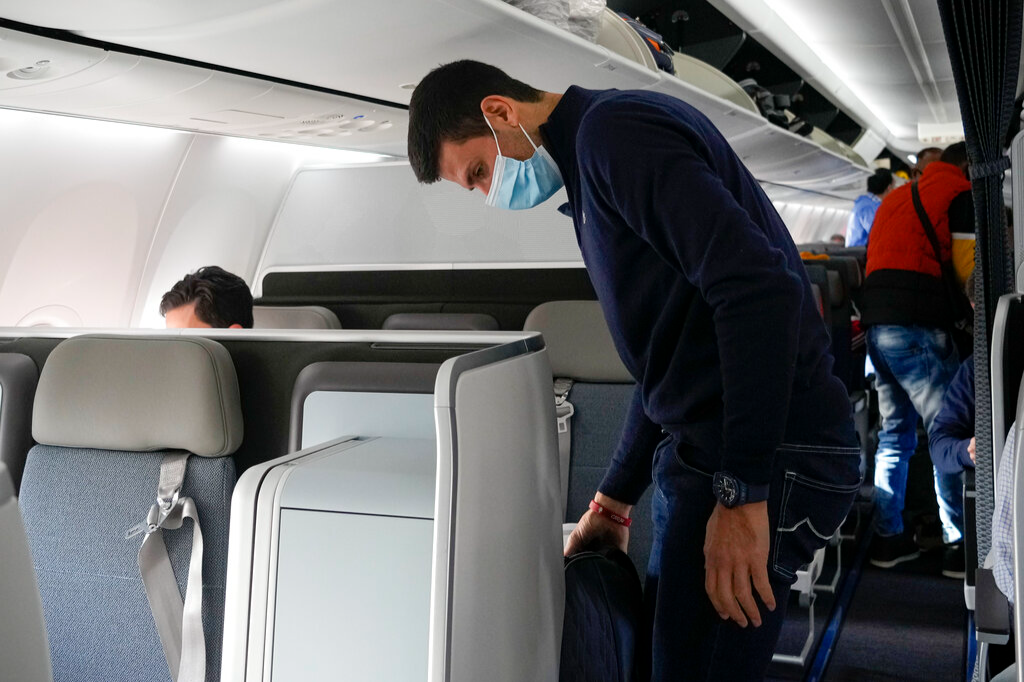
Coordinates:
<point>984,42</point>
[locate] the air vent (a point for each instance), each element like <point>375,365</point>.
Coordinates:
<point>37,71</point>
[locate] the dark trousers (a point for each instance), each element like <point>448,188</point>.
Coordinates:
<point>812,490</point>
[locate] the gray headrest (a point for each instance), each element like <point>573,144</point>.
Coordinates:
<point>579,344</point>
<point>139,394</point>
<point>849,268</point>
<point>293,317</point>
<point>442,321</point>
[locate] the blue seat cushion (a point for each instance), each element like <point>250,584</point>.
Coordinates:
<point>596,429</point>
<point>77,505</point>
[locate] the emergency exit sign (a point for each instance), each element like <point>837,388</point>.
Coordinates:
<point>940,133</point>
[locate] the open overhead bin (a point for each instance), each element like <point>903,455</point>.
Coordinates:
<point>380,50</point>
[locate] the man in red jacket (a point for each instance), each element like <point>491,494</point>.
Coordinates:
<point>906,306</point>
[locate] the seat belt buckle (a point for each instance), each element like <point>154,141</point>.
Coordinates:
<point>563,419</point>
<point>156,516</point>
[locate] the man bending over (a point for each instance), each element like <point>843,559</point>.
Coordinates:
<point>737,413</point>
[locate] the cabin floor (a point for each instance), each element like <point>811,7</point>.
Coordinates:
<point>906,623</point>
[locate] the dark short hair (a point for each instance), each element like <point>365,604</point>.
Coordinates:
<point>222,298</point>
<point>880,181</point>
<point>928,150</point>
<point>445,107</point>
<point>955,154</point>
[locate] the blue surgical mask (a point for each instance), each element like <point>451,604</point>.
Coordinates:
<point>519,184</point>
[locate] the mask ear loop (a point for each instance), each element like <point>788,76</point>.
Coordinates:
<point>488,122</point>
<point>528,139</point>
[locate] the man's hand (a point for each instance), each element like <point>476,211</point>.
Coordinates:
<point>595,531</point>
<point>736,555</point>
<point>970,450</point>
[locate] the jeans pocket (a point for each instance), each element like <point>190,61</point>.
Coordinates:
<point>811,513</point>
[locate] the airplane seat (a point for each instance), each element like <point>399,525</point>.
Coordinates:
<point>993,614</point>
<point>616,35</point>
<point>593,391</point>
<point>294,317</point>
<point>818,275</point>
<point>441,322</point>
<point>818,299</point>
<point>858,253</point>
<point>122,422</point>
<point>18,378</point>
<point>23,649</point>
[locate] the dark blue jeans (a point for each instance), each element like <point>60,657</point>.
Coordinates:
<point>914,366</point>
<point>812,489</point>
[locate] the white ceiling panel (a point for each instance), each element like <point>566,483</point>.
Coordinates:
<point>884,62</point>
<point>138,14</point>
<point>367,48</point>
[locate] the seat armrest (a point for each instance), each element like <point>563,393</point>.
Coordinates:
<point>992,611</point>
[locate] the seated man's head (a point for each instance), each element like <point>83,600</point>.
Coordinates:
<point>209,297</point>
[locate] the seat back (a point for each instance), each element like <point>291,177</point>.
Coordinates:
<point>580,348</point>
<point>107,410</point>
<point>441,321</point>
<point>23,651</point>
<point>18,378</point>
<point>1007,368</point>
<point>294,317</point>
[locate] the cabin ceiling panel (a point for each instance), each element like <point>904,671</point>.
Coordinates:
<point>328,43</point>
<point>883,61</point>
<point>136,15</point>
<point>87,81</point>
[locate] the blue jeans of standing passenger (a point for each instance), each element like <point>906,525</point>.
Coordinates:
<point>811,492</point>
<point>914,366</point>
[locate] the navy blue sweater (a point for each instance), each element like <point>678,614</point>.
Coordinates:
<point>704,292</point>
<point>953,427</point>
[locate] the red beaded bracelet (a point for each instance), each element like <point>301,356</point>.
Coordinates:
<point>609,514</point>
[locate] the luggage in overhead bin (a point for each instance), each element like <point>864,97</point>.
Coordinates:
<point>580,17</point>
<point>604,638</point>
<point>654,42</point>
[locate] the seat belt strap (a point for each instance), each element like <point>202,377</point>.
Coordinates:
<point>179,623</point>
<point>564,411</point>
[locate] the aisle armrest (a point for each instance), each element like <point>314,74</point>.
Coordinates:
<point>992,611</point>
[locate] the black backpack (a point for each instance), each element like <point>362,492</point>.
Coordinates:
<point>604,635</point>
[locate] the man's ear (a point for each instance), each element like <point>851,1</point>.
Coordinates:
<point>235,326</point>
<point>499,110</point>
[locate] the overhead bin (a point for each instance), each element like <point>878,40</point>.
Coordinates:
<point>83,80</point>
<point>318,43</point>
<point>709,79</point>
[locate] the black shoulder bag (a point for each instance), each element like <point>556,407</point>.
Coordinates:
<point>959,306</point>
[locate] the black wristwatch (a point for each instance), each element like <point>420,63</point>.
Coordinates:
<point>732,492</point>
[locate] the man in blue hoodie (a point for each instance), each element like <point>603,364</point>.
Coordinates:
<point>737,414</point>
<point>864,208</point>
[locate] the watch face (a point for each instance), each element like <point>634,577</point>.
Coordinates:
<point>726,489</point>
